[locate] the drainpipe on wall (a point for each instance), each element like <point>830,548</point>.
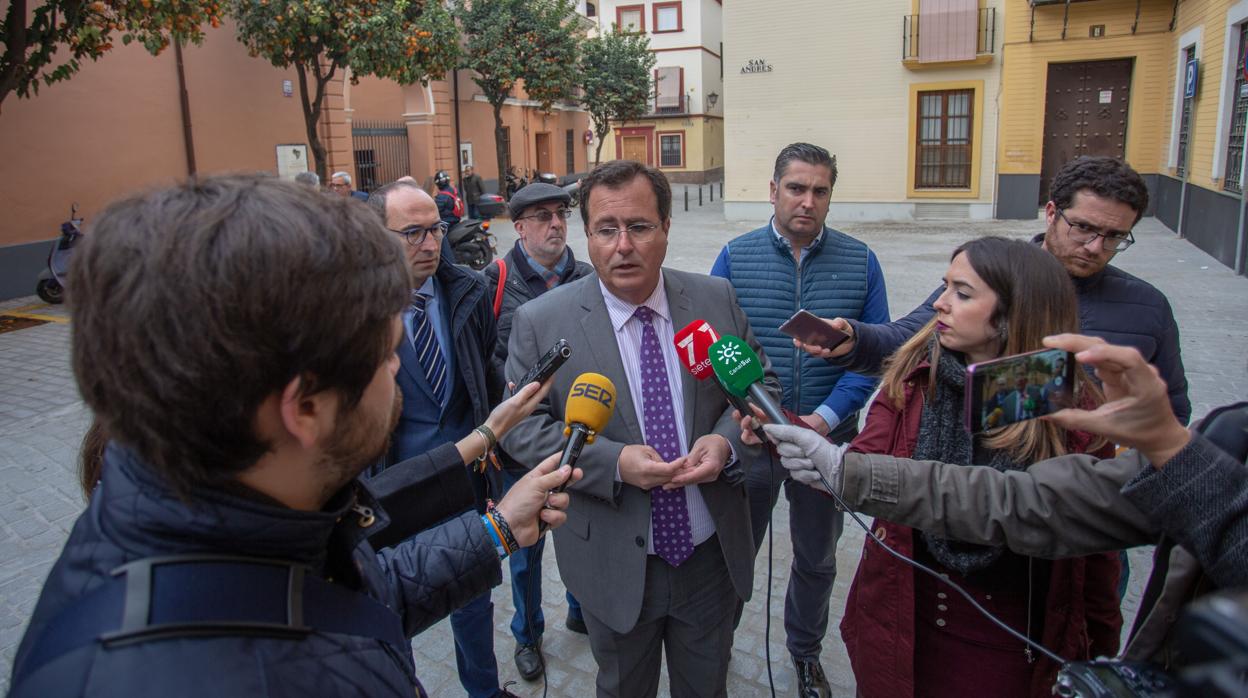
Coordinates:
<point>188,136</point>
<point>1243,200</point>
<point>459,170</point>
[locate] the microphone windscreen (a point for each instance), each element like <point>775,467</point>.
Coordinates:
<point>736,364</point>
<point>693,344</point>
<point>591,401</point>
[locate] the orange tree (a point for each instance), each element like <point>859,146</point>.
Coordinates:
<point>507,41</point>
<point>614,80</point>
<point>401,40</point>
<point>46,41</point>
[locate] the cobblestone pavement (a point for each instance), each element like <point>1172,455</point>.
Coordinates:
<point>42,421</point>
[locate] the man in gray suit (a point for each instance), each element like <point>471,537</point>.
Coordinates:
<point>657,546</point>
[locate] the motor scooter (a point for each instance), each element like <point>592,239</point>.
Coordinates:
<point>472,243</point>
<point>51,283</point>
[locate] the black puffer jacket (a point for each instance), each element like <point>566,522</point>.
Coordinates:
<point>134,515</point>
<point>1114,305</point>
<point>523,285</point>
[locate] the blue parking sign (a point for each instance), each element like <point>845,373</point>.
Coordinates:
<point>1189,79</point>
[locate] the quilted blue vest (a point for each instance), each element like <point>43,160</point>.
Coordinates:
<point>832,283</point>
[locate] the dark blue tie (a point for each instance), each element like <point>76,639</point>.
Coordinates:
<point>428,351</point>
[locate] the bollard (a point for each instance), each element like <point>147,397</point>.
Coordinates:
<point>699,194</point>
<point>686,198</point>
<point>712,192</point>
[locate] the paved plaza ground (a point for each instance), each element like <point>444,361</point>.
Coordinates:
<point>42,421</point>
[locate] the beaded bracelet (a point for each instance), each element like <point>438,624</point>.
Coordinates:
<point>492,530</point>
<point>509,538</point>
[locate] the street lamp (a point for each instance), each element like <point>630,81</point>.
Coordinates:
<point>711,99</point>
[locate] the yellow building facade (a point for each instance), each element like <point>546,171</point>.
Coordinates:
<point>911,116</point>
<point>1111,77</point>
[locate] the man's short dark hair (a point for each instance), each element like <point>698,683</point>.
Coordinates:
<point>377,199</point>
<point>617,173</point>
<point>1108,178</point>
<point>193,304</point>
<point>805,152</point>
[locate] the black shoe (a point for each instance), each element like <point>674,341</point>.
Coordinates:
<point>505,691</point>
<point>576,625</point>
<point>811,683</point>
<point>529,661</point>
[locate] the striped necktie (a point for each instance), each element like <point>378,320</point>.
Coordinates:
<point>428,351</point>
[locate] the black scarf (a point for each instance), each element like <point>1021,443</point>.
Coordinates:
<point>943,437</point>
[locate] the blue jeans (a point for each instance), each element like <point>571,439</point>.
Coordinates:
<point>473,628</point>
<point>528,624</point>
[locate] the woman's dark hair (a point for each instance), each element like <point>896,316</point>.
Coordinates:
<point>1108,178</point>
<point>618,173</point>
<point>91,458</point>
<point>1035,298</point>
<point>193,304</point>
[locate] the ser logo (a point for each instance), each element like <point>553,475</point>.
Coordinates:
<point>593,392</point>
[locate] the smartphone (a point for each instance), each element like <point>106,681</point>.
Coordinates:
<point>547,365</point>
<point>809,329</point>
<point>1016,388</point>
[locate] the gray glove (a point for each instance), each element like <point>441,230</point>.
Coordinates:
<point>807,455</point>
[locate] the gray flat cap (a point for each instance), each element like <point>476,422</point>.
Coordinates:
<point>536,193</point>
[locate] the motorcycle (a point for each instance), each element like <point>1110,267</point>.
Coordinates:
<point>472,243</point>
<point>514,182</point>
<point>51,283</point>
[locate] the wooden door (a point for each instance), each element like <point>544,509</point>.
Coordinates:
<point>1085,113</point>
<point>635,149</point>
<point>543,153</point>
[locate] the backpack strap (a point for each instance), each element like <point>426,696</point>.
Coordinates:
<point>502,282</point>
<point>210,595</point>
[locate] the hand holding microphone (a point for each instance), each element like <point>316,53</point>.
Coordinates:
<point>808,456</point>
<point>693,347</point>
<point>586,412</point>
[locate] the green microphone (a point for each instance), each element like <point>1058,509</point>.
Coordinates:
<point>741,371</point>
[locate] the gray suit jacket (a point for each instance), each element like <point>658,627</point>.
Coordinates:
<point>602,547</point>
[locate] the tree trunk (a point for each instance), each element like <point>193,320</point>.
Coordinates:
<point>14,48</point>
<point>500,147</point>
<point>312,113</point>
<point>602,137</point>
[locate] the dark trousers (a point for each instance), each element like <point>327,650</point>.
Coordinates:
<point>686,614</point>
<point>528,624</point>
<point>814,527</point>
<point>473,628</point>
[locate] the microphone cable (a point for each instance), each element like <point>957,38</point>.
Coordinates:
<point>933,573</point>
<point>771,519</point>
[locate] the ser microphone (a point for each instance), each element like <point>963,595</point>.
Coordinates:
<point>740,371</point>
<point>693,346</point>
<point>587,411</point>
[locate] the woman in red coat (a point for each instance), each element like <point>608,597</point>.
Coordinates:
<point>909,634</point>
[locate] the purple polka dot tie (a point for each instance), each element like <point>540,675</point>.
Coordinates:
<point>669,516</point>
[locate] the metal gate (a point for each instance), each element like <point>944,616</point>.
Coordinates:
<point>1085,113</point>
<point>381,154</point>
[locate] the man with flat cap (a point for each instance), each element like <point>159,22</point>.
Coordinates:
<point>539,261</point>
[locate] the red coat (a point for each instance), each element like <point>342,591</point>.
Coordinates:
<point>1082,616</point>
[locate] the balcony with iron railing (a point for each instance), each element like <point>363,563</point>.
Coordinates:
<point>679,106</point>
<point>948,39</point>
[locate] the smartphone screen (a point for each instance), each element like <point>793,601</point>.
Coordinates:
<point>1014,389</point>
<point>809,329</point>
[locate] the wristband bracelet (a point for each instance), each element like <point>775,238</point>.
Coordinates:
<point>509,538</point>
<point>490,439</point>
<point>492,530</point>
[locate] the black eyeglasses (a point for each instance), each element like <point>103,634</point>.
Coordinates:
<point>416,234</point>
<point>637,232</point>
<point>1082,233</point>
<point>546,215</point>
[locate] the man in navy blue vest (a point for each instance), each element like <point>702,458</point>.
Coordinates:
<point>449,380</point>
<point>796,262</point>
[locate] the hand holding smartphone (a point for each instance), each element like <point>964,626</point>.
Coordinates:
<point>808,328</point>
<point>1013,389</point>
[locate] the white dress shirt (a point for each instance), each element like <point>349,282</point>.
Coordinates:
<point>628,339</point>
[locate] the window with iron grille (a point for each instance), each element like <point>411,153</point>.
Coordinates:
<point>1239,117</point>
<point>1185,120</point>
<point>943,145</point>
<point>569,146</point>
<point>671,150</point>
